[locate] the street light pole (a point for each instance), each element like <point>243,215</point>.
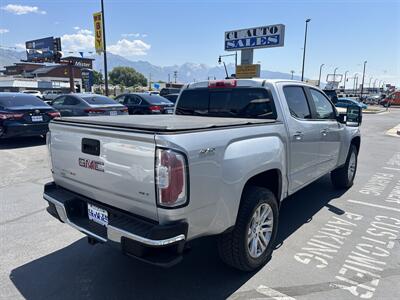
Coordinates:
<point>105,49</point>
<point>334,74</point>
<point>292,74</point>
<point>355,83</point>
<point>362,83</point>
<point>344,83</point>
<point>304,49</point>
<point>320,72</point>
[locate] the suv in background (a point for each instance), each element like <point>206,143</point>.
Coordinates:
<point>167,91</point>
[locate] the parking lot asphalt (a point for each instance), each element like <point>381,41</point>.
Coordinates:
<point>331,244</point>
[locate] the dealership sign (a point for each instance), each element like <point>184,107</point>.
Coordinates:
<point>257,37</point>
<point>98,32</point>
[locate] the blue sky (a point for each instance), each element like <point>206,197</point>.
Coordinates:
<point>341,34</point>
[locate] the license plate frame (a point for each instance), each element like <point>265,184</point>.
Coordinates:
<point>97,214</point>
<point>37,118</point>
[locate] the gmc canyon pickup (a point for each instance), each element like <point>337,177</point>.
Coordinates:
<point>220,165</point>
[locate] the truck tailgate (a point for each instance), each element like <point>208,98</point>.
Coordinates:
<point>110,166</point>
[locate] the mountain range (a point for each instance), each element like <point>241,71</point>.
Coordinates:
<point>187,72</point>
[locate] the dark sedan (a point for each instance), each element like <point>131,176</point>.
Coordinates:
<point>88,105</point>
<point>24,115</point>
<point>145,103</point>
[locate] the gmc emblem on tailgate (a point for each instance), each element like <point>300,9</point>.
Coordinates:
<point>91,164</point>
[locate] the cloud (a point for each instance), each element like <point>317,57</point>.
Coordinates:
<point>83,40</point>
<point>4,30</point>
<point>20,46</point>
<point>80,41</point>
<point>77,28</point>
<point>85,32</point>
<point>128,48</point>
<point>22,9</point>
<point>135,35</point>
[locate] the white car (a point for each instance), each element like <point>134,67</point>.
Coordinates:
<point>34,93</point>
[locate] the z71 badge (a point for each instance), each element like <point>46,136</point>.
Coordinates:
<point>91,164</point>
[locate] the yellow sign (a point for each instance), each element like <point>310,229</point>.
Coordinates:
<point>248,71</point>
<point>98,32</point>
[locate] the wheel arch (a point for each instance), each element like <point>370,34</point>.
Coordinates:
<point>270,179</point>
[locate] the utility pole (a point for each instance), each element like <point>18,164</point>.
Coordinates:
<point>169,78</point>
<point>292,74</point>
<point>175,75</point>
<point>304,50</point>
<point>149,81</point>
<point>362,83</point>
<point>320,72</point>
<point>105,48</point>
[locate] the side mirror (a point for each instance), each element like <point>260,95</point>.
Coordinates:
<point>353,116</point>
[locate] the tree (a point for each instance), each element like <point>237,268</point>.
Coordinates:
<point>127,76</point>
<point>97,77</point>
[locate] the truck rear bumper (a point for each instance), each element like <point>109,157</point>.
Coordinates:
<point>146,240</point>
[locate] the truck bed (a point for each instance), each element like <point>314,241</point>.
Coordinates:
<point>162,123</point>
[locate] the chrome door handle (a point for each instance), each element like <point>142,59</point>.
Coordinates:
<point>298,135</point>
<point>324,132</point>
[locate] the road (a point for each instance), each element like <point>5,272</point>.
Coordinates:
<point>331,244</point>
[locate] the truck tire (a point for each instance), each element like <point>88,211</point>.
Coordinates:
<point>249,245</point>
<point>343,177</point>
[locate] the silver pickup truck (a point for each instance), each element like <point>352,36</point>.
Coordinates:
<point>221,165</point>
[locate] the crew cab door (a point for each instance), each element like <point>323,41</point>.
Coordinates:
<point>304,138</point>
<point>324,116</point>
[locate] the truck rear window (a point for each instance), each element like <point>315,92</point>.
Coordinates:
<point>233,103</point>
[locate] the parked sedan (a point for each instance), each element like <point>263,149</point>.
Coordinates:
<point>24,115</point>
<point>33,93</point>
<point>88,105</point>
<point>145,103</point>
<point>345,102</point>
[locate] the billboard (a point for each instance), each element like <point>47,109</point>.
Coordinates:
<point>98,32</point>
<point>44,49</point>
<point>256,37</point>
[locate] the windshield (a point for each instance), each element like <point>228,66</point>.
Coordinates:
<point>234,103</point>
<point>98,100</point>
<point>20,100</point>
<point>155,99</point>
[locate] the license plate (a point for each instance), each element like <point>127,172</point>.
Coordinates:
<point>113,113</point>
<point>169,111</point>
<point>37,118</point>
<point>98,215</point>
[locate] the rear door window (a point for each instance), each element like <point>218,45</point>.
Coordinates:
<point>297,102</point>
<point>234,103</point>
<point>20,100</point>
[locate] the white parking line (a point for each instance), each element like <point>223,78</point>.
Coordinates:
<point>375,205</point>
<point>394,169</point>
<point>274,294</point>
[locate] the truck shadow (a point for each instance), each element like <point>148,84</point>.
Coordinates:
<point>300,208</point>
<point>99,272</point>
<point>23,142</point>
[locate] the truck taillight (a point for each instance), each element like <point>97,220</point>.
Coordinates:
<point>171,178</point>
<point>229,83</point>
